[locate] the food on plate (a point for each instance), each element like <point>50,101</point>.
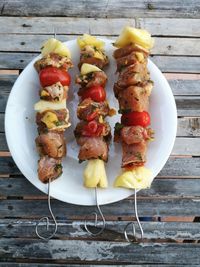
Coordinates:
<point>133,89</point>
<point>52,115</point>
<point>93,133</point>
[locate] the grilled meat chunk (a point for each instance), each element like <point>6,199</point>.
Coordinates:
<point>88,109</point>
<point>92,148</point>
<point>53,60</point>
<point>134,154</point>
<point>49,169</point>
<point>54,92</point>
<point>128,49</point>
<point>92,79</point>
<point>93,56</point>
<point>135,134</point>
<point>135,98</point>
<point>133,74</point>
<point>51,144</point>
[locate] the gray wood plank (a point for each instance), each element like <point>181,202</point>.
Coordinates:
<point>170,27</point>
<point>18,228</point>
<point>163,46</point>
<point>31,264</point>
<point>109,26</point>
<point>64,25</point>
<point>36,208</point>
<point>175,167</point>
<point>176,187</point>
<point>188,105</point>
<point>185,87</point>
<point>99,251</point>
<point>103,9</point>
<point>165,63</point>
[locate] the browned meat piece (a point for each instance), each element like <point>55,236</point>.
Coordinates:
<point>51,144</point>
<point>135,134</point>
<point>92,148</point>
<point>52,119</point>
<point>133,74</point>
<point>55,92</point>
<point>49,168</point>
<point>134,155</point>
<point>130,59</point>
<point>105,130</point>
<point>53,60</point>
<point>135,98</point>
<point>92,79</point>
<point>88,56</point>
<point>126,50</point>
<point>88,107</point>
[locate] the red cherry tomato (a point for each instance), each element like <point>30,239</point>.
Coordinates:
<point>135,118</point>
<point>51,75</point>
<point>96,93</point>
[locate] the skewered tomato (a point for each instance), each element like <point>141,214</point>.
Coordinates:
<point>96,93</point>
<point>51,75</point>
<point>136,118</point>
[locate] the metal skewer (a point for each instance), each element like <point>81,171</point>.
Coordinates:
<point>46,220</point>
<point>134,239</point>
<point>87,225</point>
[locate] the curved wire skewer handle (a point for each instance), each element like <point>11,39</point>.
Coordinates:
<point>133,225</point>
<point>45,219</point>
<point>86,225</point>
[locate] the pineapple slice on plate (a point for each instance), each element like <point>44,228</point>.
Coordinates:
<point>55,46</point>
<point>138,178</point>
<point>95,174</point>
<point>87,39</point>
<point>137,36</point>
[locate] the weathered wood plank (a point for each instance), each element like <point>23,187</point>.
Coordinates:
<point>101,251</point>
<point>31,264</point>
<point>175,167</point>
<point>21,187</point>
<point>63,25</point>
<point>183,146</point>
<point>2,123</point>
<point>37,208</point>
<point>165,63</point>
<point>170,27</point>
<point>163,46</point>
<point>188,105</point>
<point>185,87</point>
<point>103,9</point>
<point>17,228</point>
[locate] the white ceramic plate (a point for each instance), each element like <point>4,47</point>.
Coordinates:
<point>21,132</point>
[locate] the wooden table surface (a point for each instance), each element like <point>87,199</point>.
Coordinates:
<point>172,204</point>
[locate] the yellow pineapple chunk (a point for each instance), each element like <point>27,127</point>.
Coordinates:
<point>87,68</point>
<point>55,46</point>
<point>136,36</point>
<point>87,39</point>
<point>138,178</point>
<point>95,174</point>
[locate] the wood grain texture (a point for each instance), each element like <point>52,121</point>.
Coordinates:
<point>103,9</point>
<point>172,188</point>
<point>99,26</point>
<point>99,251</point>
<point>18,228</point>
<point>14,208</point>
<point>163,46</point>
